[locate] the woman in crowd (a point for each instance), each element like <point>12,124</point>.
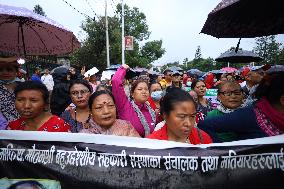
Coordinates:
<point>32,105</point>
<point>156,94</point>
<point>203,105</point>
<point>104,120</point>
<point>179,110</point>
<point>8,82</point>
<point>264,118</point>
<point>231,97</point>
<point>135,110</point>
<point>80,92</point>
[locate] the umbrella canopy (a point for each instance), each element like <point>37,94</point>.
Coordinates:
<point>113,67</point>
<point>174,68</point>
<point>229,69</point>
<point>242,56</point>
<point>245,19</point>
<point>91,72</point>
<point>23,32</point>
<point>195,72</point>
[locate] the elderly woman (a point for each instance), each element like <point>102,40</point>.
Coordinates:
<point>32,104</point>
<point>8,82</point>
<point>203,105</point>
<point>104,120</point>
<point>80,92</point>
<point>179,111</point>
<point>231,97</point>
<point>135,110</point>
<point>264,118</point>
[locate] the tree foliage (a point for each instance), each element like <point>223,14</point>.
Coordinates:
<point>93,51</point>
<point>38,9</point>
<point>269,49</point>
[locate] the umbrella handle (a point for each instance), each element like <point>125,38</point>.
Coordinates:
<point>237,48</point>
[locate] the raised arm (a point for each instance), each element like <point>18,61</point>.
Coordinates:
<point>121,100</point>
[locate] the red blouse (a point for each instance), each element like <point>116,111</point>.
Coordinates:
<point>54,124</point>
<point>194,136</point>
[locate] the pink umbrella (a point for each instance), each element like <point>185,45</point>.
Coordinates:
<point>229,69</point>
<point>23,32</point>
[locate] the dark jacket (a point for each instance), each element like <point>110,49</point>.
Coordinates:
<point>242,122</point>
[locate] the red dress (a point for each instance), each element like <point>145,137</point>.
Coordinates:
<point>195,136</point>
<point>159,117</point>
<point>54,124</point>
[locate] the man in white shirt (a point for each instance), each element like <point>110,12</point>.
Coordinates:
<point>47,80</point>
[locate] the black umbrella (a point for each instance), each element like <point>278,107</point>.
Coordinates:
<point>245,19</point>
<point>242,56</point>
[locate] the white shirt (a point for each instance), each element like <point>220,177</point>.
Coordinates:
<point>48,81</point>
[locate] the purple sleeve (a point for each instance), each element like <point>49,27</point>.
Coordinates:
<point>121,100</point>
<point>3,122</point>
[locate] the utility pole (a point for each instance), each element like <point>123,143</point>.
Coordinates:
<point>122,35</point>
<point>107,39</point>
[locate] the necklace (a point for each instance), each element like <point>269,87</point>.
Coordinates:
<point>187,141</point>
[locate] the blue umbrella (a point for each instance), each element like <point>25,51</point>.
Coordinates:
<point>195,72</point>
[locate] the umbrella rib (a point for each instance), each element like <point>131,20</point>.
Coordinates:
<point>39,38</point>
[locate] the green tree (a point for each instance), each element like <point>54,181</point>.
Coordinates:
<point>268,48</point>
<point>38,9</point>
<point>93,51</point>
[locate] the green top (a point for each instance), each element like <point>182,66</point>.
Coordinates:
<point>225,136</point>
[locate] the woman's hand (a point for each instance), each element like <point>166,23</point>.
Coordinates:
<point>125,66</point>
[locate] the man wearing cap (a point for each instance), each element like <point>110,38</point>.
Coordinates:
<point>8,82</point>
<point>253,78</point>
<point>168,79</point>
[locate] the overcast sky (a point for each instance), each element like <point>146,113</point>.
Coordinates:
<point>177,22</point>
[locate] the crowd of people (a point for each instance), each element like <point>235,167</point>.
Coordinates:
<point>147,106</point>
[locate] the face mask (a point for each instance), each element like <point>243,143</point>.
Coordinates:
<point>188,83</point>
<point>157,95</point>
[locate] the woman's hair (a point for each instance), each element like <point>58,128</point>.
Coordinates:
<point>136,82</point>
<point>33,85</point>
<point>82,82</point>
<point>102,87</point>
<point>271,87</point>
<point>194,82</point>
<point>173,96</point>
<point>228,83</point>
<point>153,82</point>
<point>96,94</point>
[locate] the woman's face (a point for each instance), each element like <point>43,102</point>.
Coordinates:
<point>231,96</point>
<point>155,87</point>
<point>8,72</point>
<point>80,95</point>
<point>30,103</point>
<point>141,93</point>
<point>200,88</point>
<point>181,119</point>
<point>104,111</point>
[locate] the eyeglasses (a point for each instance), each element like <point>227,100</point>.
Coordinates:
<point>229,93</point>
<point>77,93</point>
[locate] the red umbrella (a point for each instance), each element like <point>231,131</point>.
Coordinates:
<point>23,32</point>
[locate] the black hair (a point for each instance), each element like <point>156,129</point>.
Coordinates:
<point>154,82</point>
<point>166,71</point>
<point>82,82</point>
<point>271,87</point>
<point>194,82</point>
<point>173,96</point>
<point>27,182</point>
<point>96,94</point>
<point>33,85</point>
<point>106,87</point>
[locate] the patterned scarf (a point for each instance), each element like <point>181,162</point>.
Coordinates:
<point>142,118</point>
<point>276,117</point>
<point>225,110</point>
